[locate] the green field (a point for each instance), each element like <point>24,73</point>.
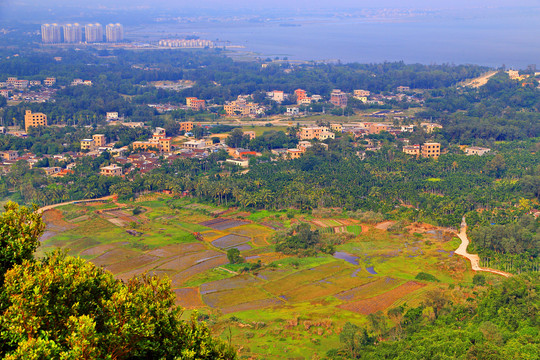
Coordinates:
<point>301,302</point>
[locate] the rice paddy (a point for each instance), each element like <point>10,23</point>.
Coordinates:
<point>188,244</point>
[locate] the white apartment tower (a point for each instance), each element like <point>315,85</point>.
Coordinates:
<point>114,32</point>
<point>72,33</point>
<point>93,33</point>
<point>51,33</point>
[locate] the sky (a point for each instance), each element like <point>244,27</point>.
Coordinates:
<point>284,4</point>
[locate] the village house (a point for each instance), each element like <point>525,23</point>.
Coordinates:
<point>9,155</point>
<point>111,170</point>
<point>431,150</point>
<point>412,150</point>
<point>338,98</point>
<point>186,126</point>
<point>239,162</point>
<point>476,150</point>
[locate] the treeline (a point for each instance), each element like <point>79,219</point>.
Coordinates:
<point>501,323</point>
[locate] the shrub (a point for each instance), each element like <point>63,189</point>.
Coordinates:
<point>426,277</point>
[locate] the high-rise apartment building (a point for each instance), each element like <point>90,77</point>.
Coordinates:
<point>35,119</point>
<point>51,33</point>
<point>72,33</point>
<point>93,33</point>
<point>114,32</point>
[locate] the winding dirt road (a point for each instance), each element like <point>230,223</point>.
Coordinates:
<point>473,258</point>
<point>48,207</point>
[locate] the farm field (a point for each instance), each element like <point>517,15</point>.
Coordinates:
<point>290,307</point>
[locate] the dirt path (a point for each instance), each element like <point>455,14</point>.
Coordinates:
<point>473,258</point>
<point>481,80</point>
<point>48,207</point>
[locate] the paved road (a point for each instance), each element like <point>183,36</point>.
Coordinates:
<point>48,207</point>
<point>473,258</point>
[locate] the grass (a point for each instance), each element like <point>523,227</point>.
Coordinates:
<point>354,229</point>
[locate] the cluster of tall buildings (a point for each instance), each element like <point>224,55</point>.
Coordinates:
<point>75,33</point>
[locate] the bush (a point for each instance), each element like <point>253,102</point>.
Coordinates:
<point>426,277</point>
<point>479,279</point>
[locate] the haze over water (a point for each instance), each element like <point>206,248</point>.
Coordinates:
<point>512,41</point>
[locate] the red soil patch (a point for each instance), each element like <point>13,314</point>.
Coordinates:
<point>188,298</point>
<point>381,302</point>
<point>55,221</point>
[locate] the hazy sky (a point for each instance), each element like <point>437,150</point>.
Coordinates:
<point>178,4</point>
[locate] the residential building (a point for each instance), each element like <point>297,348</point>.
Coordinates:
<point>112,116</point>
<point>88,144</point>
<point>412,150</point>
<point>145,145</point>
<point>239,162</point>
<point>429,128</point>
<point>304,145</point>
<point>513,74</point>
<point>338,98</point>
<point>293,110</point>
<point>9,155</point>
<point>251,134</point>
<point>336,127</point>
<point>431,149</point>
<point>186,126</point>
<point>197,105</point>
<point>34,119</point>
<point>194,144</point>
<point>72,33</point>
<point>240,107</point>
<point>294,153</point>
<point>165,144</point>
<point>403,89</point>
<point>99,140</point>
<point>52,170</point>
<point>114,32</point>
<point>277,96</point>
<point>315,132</point>
<point>93,33</point>
<point>375,128</point>
<point>300,94</point>
<point>50,81</point>
<point>51,33</point>
<point>476,150</point>
<point>111,170</point>
<point>361,93</point>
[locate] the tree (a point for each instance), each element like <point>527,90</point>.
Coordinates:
<point>20,229</point>
<point>66,308</point>
<point>233,255</point>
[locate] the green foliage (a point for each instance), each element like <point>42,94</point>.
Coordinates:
<point>64,307</point>
<point>301,240</point>
<point>233,255</point>
<point>479,279</point>
<point>426,277</point>
<point>20,229</point>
